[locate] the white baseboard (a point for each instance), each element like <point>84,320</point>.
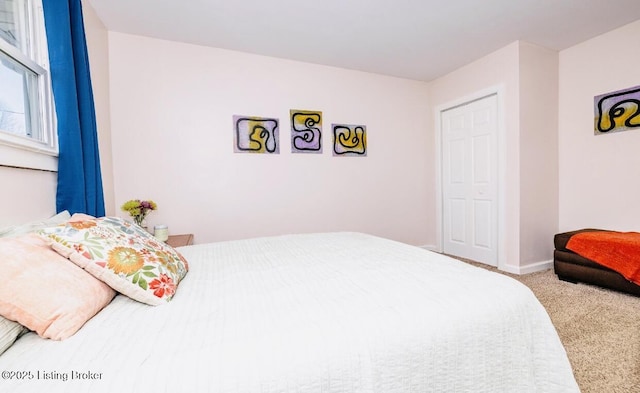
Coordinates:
<point>513,269</point>
<point>528,268</point>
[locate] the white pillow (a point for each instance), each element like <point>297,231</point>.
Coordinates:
<point>9,333</point>
<point>17,230</point>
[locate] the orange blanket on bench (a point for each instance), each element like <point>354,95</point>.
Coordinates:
<point>619,251</point>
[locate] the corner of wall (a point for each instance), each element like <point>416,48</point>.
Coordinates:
<point>538,91</point>
<point>98,48</point>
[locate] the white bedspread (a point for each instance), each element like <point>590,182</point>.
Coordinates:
<point>335,312</point>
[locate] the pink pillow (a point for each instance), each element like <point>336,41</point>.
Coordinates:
<point>77,217</point>
<point>44,291</point>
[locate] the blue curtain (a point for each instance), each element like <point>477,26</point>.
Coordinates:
<point>79,179</point>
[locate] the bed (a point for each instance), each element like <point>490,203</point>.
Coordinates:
<point>324,312</point>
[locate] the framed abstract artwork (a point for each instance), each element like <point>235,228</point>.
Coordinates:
<point>306,131</point>
<point>349,140</point>
<point>255,135</point>
<point>617,111</point>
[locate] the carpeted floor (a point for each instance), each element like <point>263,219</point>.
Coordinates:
<point>600,330</point>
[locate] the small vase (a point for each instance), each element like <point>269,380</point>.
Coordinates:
<point>141,223</point>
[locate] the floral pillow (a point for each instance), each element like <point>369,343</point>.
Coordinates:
<point>122,255</point>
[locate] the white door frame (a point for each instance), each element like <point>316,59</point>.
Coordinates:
<point>499,92</point>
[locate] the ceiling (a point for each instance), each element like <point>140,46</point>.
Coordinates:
<point>415,39</point>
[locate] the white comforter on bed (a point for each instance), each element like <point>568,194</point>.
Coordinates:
<point>334,312</point>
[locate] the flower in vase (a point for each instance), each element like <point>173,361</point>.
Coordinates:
<point>138,209</point>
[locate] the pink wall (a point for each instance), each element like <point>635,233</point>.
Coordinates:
<point>166,95</point>
<point>599,184</point>
<point>171,119</point>
<point>170,107</point>
<point>538,153</point>
<point>28,195</point>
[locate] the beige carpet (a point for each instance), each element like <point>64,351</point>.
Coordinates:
<point>600,330</point>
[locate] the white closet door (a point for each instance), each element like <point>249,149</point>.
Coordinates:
<point>469,180</point>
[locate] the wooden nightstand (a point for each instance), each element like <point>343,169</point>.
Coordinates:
<point>180,240</point>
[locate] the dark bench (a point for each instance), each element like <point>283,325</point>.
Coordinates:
<point>571,267</point>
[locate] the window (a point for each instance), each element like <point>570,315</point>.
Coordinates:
<point>27,132</point>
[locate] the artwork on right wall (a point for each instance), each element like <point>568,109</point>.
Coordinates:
<point>617,111</point>
<point>349,140</point>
